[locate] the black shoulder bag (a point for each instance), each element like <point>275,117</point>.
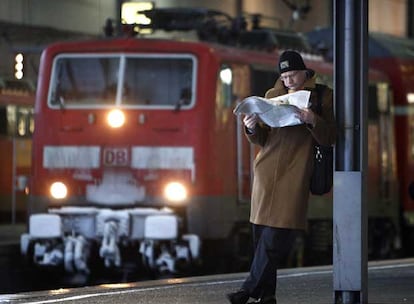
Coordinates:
<point>322,175</point>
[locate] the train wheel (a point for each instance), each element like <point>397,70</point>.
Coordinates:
<point>296,256</point>
<point>318,243</point>
<point>381,239</point>
<point>408,241</point>
<point>75,279</point>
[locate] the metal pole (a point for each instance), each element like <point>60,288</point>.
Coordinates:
<point>118,15</point>
<point>410,18</point>
<point>350,86</point>
<point>239,8</point>
<point>349,70</point>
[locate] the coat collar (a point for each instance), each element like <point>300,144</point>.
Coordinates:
<point>280,89</point>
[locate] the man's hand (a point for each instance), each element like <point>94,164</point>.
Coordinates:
<point>307,116</point>
<point>250,121</point>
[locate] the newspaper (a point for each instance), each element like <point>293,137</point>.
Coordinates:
<point>279,111</point>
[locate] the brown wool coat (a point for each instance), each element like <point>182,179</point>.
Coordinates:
<point>283,166</point>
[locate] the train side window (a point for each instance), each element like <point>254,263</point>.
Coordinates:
<point>31,123</point>
<point>411,132</point>
<point>3,121</point>
<point>372,102</point>
<point>386,139</point>
<point>23,122</point>
<point>19,121</point>
<point>262,80</point>
<point>225,98</point>
<point>383,92</point>
<point>232,84</point>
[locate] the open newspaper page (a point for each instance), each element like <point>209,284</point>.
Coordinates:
<point>275,112</point>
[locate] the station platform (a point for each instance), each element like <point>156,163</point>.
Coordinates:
<point>390,282</point>
<point>10,233</point>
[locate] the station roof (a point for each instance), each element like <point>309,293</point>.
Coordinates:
<point>33,39</point>
<point>379,44</point>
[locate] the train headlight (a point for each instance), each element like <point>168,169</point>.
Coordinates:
<point>175,192</point>
<point>58,190</point>
<point>410,98</point>
<point>116,118</point>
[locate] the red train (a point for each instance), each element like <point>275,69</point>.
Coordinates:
<point>394,56</point>
<point>16,129</point>
<point>137,154</point>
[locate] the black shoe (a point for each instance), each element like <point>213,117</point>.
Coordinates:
<point>269,300</point>
<point>238,297</point>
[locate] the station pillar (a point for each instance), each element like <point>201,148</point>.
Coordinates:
<point>350,272</point>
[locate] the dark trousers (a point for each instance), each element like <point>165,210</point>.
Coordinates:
<point>271,246</point>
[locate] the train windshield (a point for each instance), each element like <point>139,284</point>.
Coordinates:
<point>144,81</point>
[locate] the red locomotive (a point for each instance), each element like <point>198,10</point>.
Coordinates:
<point>136,149</point>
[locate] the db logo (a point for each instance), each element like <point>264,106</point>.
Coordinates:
<point>115,157</point>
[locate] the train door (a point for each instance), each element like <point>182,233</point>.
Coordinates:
<point>253,81</point>
<point>16,128</point>
<point>382,188</point>
<point>241,90</point>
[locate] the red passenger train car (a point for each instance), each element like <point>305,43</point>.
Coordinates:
<point>394,56</point>
<point>137,153</point>
<point>16,129</point>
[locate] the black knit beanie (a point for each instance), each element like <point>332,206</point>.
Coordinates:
<point>291,61</point>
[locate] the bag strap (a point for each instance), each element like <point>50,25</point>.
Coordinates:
<point>319,89</point>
